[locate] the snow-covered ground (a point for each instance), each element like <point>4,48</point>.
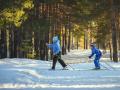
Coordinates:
<point>27,74</point>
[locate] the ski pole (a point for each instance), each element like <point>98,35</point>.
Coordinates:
<point>104,66</point>
<point>110,66</point>
<point>71,66</point>
<point>67,64</point>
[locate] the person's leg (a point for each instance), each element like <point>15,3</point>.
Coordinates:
<point>96,62</point>
<point>61,61</point>
<point>54,62</point>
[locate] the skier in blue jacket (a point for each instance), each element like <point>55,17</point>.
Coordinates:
<point>55,46</point>
<point>98,54</point>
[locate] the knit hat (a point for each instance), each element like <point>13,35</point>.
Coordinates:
<point>55,39</point>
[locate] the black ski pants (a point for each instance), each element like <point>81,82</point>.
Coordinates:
<point>58,57</point>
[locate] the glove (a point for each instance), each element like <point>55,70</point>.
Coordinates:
<point>89,56</point>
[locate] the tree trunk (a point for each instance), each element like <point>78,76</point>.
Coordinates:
<point>11,43</point>
<point>110,47</point>
<point>65,40</point>
<point>84,39</point>
<point>72,42</point>
<point>114,31</point>
<point>69,36</point>
<point>77,43</point>
<point>46,41</point>
<point>3,45</point>
<point>15,42</point>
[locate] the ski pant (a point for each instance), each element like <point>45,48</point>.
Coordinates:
<point>96,61</point>
<point>58,57</point>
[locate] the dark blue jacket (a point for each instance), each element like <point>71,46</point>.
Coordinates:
<point>96,52</point>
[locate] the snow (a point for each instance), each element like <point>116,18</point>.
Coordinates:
<point>27,74</point>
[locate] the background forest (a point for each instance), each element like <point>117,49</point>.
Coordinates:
<point>26,25</point>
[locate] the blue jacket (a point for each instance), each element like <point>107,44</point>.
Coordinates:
<point>55,46</point>
<point>95,51</point>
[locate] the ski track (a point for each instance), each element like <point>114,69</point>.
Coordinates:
<point>27,74</point>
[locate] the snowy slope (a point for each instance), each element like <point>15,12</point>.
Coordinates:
<point>26,74</point>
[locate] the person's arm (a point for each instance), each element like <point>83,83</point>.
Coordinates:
<point>93,52</point>
<point>49,45</point>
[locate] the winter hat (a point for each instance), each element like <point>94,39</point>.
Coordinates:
<point>92,44</point>
<point>55,39</point>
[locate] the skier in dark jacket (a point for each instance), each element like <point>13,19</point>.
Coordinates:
<point>98,54</point>
<point>55,46</point>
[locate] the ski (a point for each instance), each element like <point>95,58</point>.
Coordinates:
<point>89,69</point>
<point>79,69</point>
